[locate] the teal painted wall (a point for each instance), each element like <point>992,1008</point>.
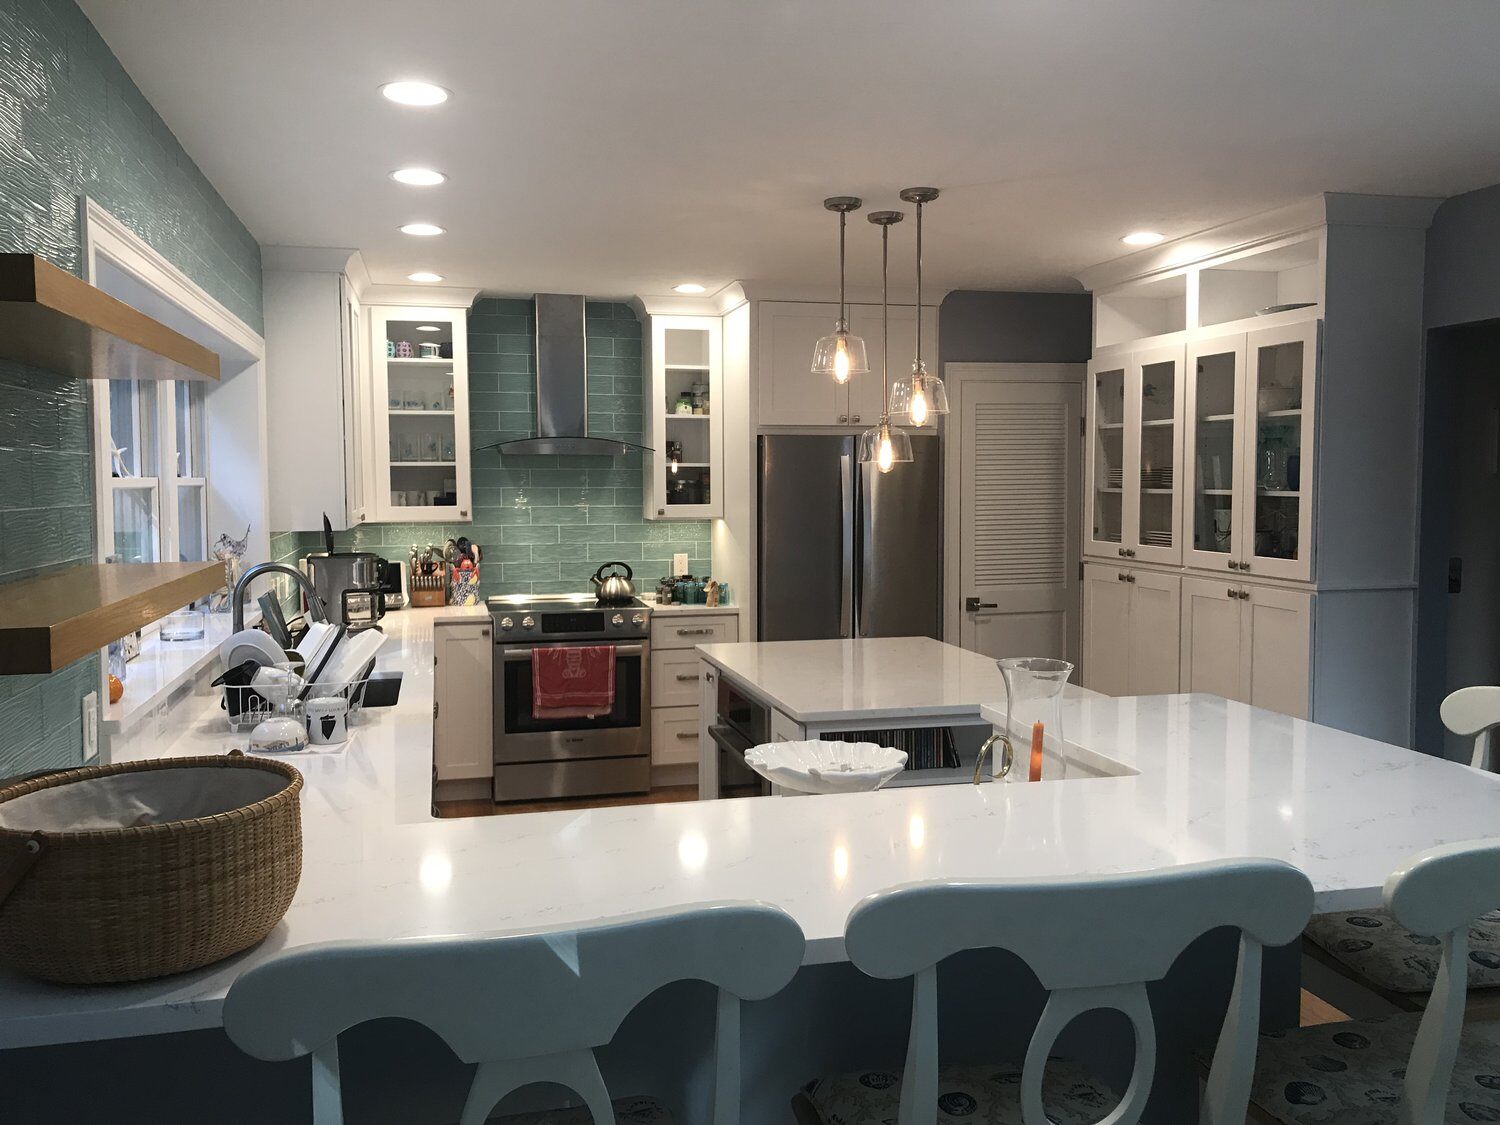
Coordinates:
<point>72,123</point>
<point>546,523</point>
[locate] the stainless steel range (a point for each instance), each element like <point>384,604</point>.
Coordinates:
<point>538,758</point>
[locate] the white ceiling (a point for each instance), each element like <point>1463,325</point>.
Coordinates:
<point>615,147</point>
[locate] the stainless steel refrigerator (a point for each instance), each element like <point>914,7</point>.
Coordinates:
<point>845,550</point>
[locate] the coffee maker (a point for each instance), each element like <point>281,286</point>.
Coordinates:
<point>347,582</point>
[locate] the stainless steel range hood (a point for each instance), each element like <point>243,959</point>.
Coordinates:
<point>562,411</point>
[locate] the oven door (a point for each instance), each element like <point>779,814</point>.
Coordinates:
<point>736,779</point>
<point>522,737</point>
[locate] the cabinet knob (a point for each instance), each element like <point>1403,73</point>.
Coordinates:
<point>843,417</point>
<point>1120,576</point>
<point>661,511</point>
<point>1244,566</point>
<point>1130,552</point>
<point>1130,578</point>
<point>856,418</point>
<point>1233,593</point>
<point>463,512</point>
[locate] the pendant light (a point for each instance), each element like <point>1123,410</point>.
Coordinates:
<point>920,397</point>
<point>885,445</point>
<point>841,355</point>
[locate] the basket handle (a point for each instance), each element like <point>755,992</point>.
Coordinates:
<point>15,869</point>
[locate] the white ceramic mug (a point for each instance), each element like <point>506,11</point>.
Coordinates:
<point>327,720</point>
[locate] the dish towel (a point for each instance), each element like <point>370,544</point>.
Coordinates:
<point>572,682</point>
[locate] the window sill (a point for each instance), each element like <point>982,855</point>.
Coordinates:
<point>163,667</point>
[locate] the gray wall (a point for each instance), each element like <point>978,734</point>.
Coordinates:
<point>982,326</point>
<point>1463,259</point>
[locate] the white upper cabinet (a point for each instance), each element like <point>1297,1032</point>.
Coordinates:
<point>791,395</point>
<point>1214,444</point>
<point>317,387</point>
<point>1134,456</point>
<point>684,424</point>
<point>419,414</point>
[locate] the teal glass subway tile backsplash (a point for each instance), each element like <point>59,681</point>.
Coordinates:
<point>74,125</point>
<point>546,523</point>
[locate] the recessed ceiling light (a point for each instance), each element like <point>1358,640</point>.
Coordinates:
<point>422,230</point>
<point>411,92</point>
<point>689,287</point>
<point>1142,238</point>
<point>424,276</point>
<point>428,328</point>
<point>418,177</point>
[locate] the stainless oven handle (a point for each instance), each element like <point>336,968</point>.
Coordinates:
<point>525,653</point>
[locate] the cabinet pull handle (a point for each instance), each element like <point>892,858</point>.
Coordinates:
<point>1130,578</point>
<point>682,678</point>
<point>694,632</point>
<point>686,735</point>
<point>1244,566</point>
<point>1120,551</point>
<point>1130,552</point>
<point>1233,593</point>
<point>1120,576</point>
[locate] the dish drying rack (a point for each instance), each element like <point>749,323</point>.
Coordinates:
<point>248,706</point>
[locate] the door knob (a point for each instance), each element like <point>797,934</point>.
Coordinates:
<point>974,605</point>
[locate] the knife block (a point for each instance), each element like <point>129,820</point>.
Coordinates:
<point>429,590</point>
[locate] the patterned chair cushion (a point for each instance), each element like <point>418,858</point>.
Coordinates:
<point>1381,950</point>
<point>1351,1074</point>
<point>628,1111</point>
<point>967,1095</point>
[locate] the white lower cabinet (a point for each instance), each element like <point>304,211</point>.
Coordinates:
<point>1248,643</point>
<point>463,685</point>
<point>1131,621</point>
<point>677,680</point>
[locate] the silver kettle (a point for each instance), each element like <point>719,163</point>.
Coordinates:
<point>613,588</point>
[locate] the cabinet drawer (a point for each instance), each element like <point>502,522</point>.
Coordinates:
<point>674,736</point>
<point>676,676</point>
<point>672,631</point>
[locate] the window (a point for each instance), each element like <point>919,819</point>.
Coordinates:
<point>157,472</point>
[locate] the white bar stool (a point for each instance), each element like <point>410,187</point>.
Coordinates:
<point>1056,927</point>
<point>1407,1068</point>
<point>526,1007</point>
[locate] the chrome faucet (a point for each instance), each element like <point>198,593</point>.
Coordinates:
<point>237,599</point>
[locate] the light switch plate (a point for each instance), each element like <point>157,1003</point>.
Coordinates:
<point>680,563</point>
<point>90,714</point>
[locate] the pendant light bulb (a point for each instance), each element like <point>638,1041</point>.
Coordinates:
<point>918,407</point>
<point>885,453</point>
<point>841,362</point>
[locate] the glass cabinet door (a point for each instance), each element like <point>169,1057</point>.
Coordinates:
<point>684,422</point>
<point>1154,450</point>
<point>1279,450</point>
<point>421,427</point>
<point>1214,450</point>
<point>1106,457</point>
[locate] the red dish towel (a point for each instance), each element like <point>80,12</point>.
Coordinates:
<point>571,683</point>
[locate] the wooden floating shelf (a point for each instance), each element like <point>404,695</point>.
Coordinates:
<point>51,320</point>
<point>50,621</point>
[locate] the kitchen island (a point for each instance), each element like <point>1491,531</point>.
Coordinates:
<point>1211,779</point>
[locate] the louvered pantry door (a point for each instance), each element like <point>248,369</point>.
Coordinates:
<point>1020,527</point>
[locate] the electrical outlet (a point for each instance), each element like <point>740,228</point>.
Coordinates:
<point>90,708</point>
<point>680,563</point>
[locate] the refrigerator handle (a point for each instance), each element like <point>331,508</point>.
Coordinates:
<point>846,545</point>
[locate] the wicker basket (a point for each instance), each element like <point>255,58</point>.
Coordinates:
<point>130,903</point>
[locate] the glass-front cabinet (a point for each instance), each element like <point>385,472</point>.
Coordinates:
<point>1278,473</point>
<point>420,414</point>
<point>1135,447</point>
<point>1250,452</point>
<point>1214,456</point>
<point>683,422</point>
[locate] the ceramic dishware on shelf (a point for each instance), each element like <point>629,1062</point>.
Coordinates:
<point>816,766</point>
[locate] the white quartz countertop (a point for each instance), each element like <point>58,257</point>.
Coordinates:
<point>675,608</point>
<point>875,678</point>
<point>1215,779</point>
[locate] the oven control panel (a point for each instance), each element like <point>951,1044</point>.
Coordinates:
<point>519,623</point>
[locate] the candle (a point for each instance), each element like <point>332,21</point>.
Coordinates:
<point>1036,751</point>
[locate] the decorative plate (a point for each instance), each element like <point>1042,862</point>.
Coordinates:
<point>826,767</point>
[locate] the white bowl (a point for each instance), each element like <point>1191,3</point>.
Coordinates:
<point>826,767</point>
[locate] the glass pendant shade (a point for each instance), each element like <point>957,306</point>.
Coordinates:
<point>919,398</point>
<point>884,446</point>
<point>840,355</point>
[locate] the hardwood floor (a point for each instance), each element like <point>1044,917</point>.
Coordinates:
<point>660,795</point>
<point>1316,1011</point>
